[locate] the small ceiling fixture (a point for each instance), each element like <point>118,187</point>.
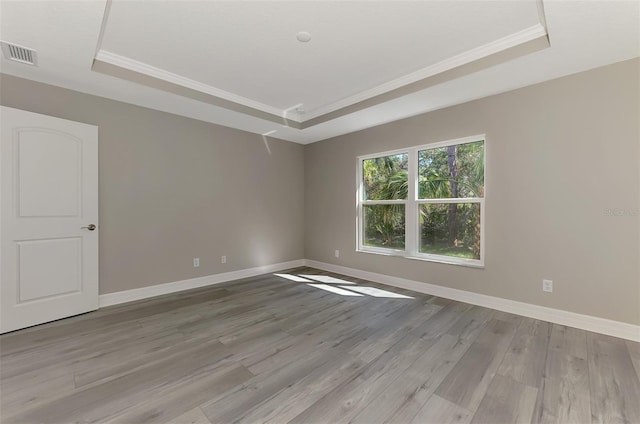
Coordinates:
<point>19,53</point>
<point>303,37</point>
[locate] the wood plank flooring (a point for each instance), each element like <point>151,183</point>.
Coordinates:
<point>271,350</point>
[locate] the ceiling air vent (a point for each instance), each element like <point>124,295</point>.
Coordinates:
<point>19,53</point>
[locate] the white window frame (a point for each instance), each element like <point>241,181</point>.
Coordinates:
<point>412,204</point>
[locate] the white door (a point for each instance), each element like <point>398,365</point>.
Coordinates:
<point>49,198</point>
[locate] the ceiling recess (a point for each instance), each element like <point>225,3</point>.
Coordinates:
<point>19,54</point>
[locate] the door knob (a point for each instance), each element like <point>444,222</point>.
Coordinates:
<point>90,227</point>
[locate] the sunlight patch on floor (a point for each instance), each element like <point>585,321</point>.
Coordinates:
<point>352,289</point>
<point>372,291</point>
<point>334,289</point>
<point>294,278</point>
<point>326,279</point>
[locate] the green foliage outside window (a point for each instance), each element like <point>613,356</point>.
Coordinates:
<point>446,228</point>
<point>385,178</point>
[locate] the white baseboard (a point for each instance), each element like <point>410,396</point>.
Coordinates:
<point>557,316</point>
<point>116,298</point>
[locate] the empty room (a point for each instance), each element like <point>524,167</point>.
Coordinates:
<point>330,212</point>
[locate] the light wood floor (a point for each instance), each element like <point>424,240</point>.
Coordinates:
<point>267,349</point>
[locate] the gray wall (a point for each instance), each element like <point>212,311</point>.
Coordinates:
<point>557,155</point>
<point>173,188</point>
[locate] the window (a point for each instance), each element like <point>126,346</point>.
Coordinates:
<point>426,202</point>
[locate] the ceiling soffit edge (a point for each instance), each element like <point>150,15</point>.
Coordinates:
<point>518,44</point>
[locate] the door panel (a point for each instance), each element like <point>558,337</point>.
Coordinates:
<point>49,173</point>
<point>49,191</point>
<point>48,268</point>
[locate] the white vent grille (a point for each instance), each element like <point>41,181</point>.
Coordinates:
<point>19,53</point>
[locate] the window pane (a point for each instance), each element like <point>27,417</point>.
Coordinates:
<point>386,178</point>
<point>384,226</point>
<point>450,229</point>
<point>452,171</point>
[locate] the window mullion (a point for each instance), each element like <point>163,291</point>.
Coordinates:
<point>384,202</point>
<point>452,200</point>
<point>411,209</point>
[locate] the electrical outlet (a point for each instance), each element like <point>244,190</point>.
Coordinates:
<point>196,262</point>
<point>223,259</point>
<point>337,253</point>
<point>547,285</point>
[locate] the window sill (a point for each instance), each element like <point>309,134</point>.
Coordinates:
<point>436,259</point>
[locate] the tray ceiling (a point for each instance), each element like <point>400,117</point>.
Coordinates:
<point>239,64</point>
<point>247,52</point>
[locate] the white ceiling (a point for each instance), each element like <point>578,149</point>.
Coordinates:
<point>367,62</point>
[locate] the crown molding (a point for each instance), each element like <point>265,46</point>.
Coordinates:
<point>161,74</point>
<point>288,117</point>
<point>513,40</point>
